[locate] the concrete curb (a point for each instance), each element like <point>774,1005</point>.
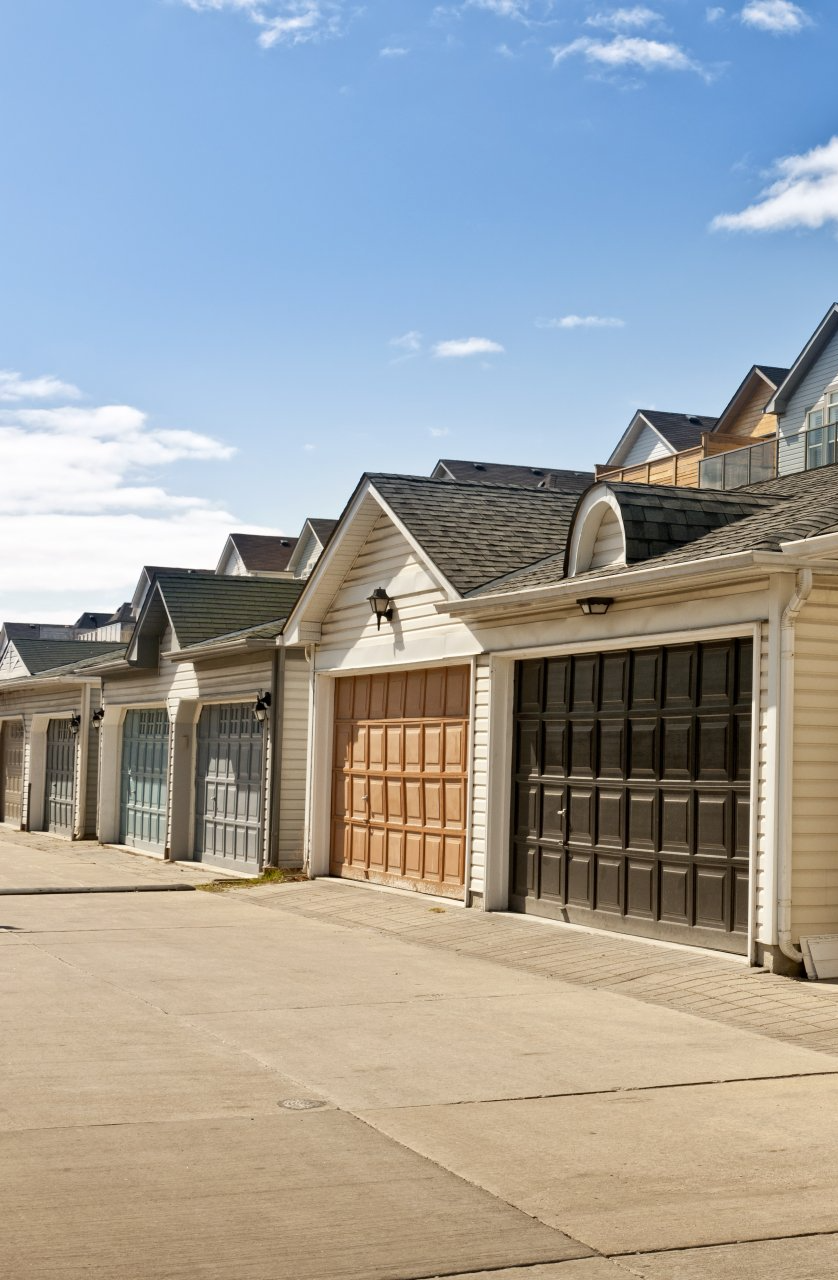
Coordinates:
<point>120,888</point>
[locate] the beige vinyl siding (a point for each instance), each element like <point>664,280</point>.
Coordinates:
<point>815,777</point>
<point>764,815</point>
<point>292,793</point>
<point>417,633</point>
<point>609,547</point>
<point>11,667</point>
<point>307,555</point>
<point>480,775</point>
<point>92,781</point>
<point>646,448</point>
<point>26,703</point>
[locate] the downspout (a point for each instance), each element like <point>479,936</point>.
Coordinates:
<point>802,591</point>
<point>275,777</point>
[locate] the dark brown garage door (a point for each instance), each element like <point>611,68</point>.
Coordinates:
<point>631,806</point>
<point>400,777</point>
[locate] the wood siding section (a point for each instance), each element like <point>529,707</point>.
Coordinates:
<point>751,422</point>
<point>815,777</point>
<point>680,470</point>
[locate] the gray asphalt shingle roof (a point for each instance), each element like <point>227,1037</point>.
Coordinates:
<point>771,513</point>
<point>204,607</point>
<point>264,553</point>
<point>323,528</point>
<point>39,656</point>
<point>507,473</point>
<point>477,532</point>
<point>681,430</point>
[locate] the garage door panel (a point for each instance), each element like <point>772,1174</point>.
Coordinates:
<point>556,679</point>
<point>361,703</point>
<point>657,832</point>
<point>228,786</point>
<point>344,700</point>
<point>60,783</point>
<point>408,784</point>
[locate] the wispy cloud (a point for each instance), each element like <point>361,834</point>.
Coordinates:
<point>438,432</point>
<point>411,342</point>
<point>636,18</point>
<point>515,9</point>
<point>803,194</point>
<point>84,500</point>
<point>781,17</point>
<point>715,14</point>
<point>460,348</point>
<point>14,388</point>
<point>393,51</point>
<point>580,322</point>
<point>630,53</point>
<point>287,22</point>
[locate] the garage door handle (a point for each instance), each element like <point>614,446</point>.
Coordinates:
<point>365,798</point>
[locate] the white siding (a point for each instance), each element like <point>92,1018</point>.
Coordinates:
<point>306,555</point>
<point>480,774</point>
<point>11,667</point>
<point>765,790</point>
<point>609,545</point>
<point>646,448</point>
<point>25,703</point>
<point>815,777</point>
<point>292,794</point>
<point>810,389</point>
<point>417,633</point>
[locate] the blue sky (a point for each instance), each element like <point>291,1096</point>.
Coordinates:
<point>245,244</point>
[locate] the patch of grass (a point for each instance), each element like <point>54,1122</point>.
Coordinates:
<point>437,910</point>
<point>271,875</point>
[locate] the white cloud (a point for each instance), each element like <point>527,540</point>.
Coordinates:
<point>410,342</point>
<point>288,22</point>
<point>459,348</point>
<point>438,432</point>
<point>804,194</point>
<point>635,18</point>
<point>715,14</point>
<point>393,51</point>
<point>781,17</point>
<point>84,501</point>
<point>628,52</point>
<point>309,448</point>
<point>580,322</point>
<point>516,9</point>
<point>14,387</point>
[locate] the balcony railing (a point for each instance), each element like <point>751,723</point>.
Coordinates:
<point>738,467</point>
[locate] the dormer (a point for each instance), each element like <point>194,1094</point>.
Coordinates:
<point>256,555</point>
<point>313,537</point>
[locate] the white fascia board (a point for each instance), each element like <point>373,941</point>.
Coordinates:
<point>619,585</point>
<point>197,653</point>
<point>294,558</point>
<point>229,546</point>
<point>820,544</point>
<point>628,438</point>
<point>50,682</point>
<point>801,365</point>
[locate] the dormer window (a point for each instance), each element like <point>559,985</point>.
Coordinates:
<point>822,433</point>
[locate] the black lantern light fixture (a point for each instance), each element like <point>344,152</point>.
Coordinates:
<point>382,606</point>
<point>595,604</point>
<point>263,702</point>
<point>97,718</point>
<point>75,724</point>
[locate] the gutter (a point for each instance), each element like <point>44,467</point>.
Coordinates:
<point>792,611</point>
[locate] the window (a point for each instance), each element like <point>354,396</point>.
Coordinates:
<point>832,407</point>
<point>814,419</point>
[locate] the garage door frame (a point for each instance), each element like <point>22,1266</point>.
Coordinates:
<point>501,807</point>
<point>321,758</point>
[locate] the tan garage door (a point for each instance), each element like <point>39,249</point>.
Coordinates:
<point>400,779</point>
<point>11,772</point>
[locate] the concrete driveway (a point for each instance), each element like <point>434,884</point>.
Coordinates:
<point>264,1083</point>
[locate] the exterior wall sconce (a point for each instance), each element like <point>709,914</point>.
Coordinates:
<point>97,718</point>
<point>382,606</point>
<point>263,702</point>
<point>595,604</point>
<point>75,724</point>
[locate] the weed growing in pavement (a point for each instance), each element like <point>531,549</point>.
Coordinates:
<point>271,875</point>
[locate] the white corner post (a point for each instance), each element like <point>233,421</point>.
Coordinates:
<point>792,611</point>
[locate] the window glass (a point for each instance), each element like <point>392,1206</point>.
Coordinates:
<point>815,419</point>
<point>830,433</point>
<point>736,468</point>
<point>832,407</point>
<point>815,449</point>
<point>762,462</point>
<point>711,474</point>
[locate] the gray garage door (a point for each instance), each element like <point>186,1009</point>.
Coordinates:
<point>228,801</point>
<point>60,790</point>
<point>145,765</point>
<point>11,772</point>
<point>633,791</point>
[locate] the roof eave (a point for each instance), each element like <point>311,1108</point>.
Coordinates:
<point>808,355</point>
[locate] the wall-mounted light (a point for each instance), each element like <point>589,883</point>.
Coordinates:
<point>382,606</point>
<point>75,724</point>
<point>97,718</point>
<point>263,702</point>
<point>595,604</point>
